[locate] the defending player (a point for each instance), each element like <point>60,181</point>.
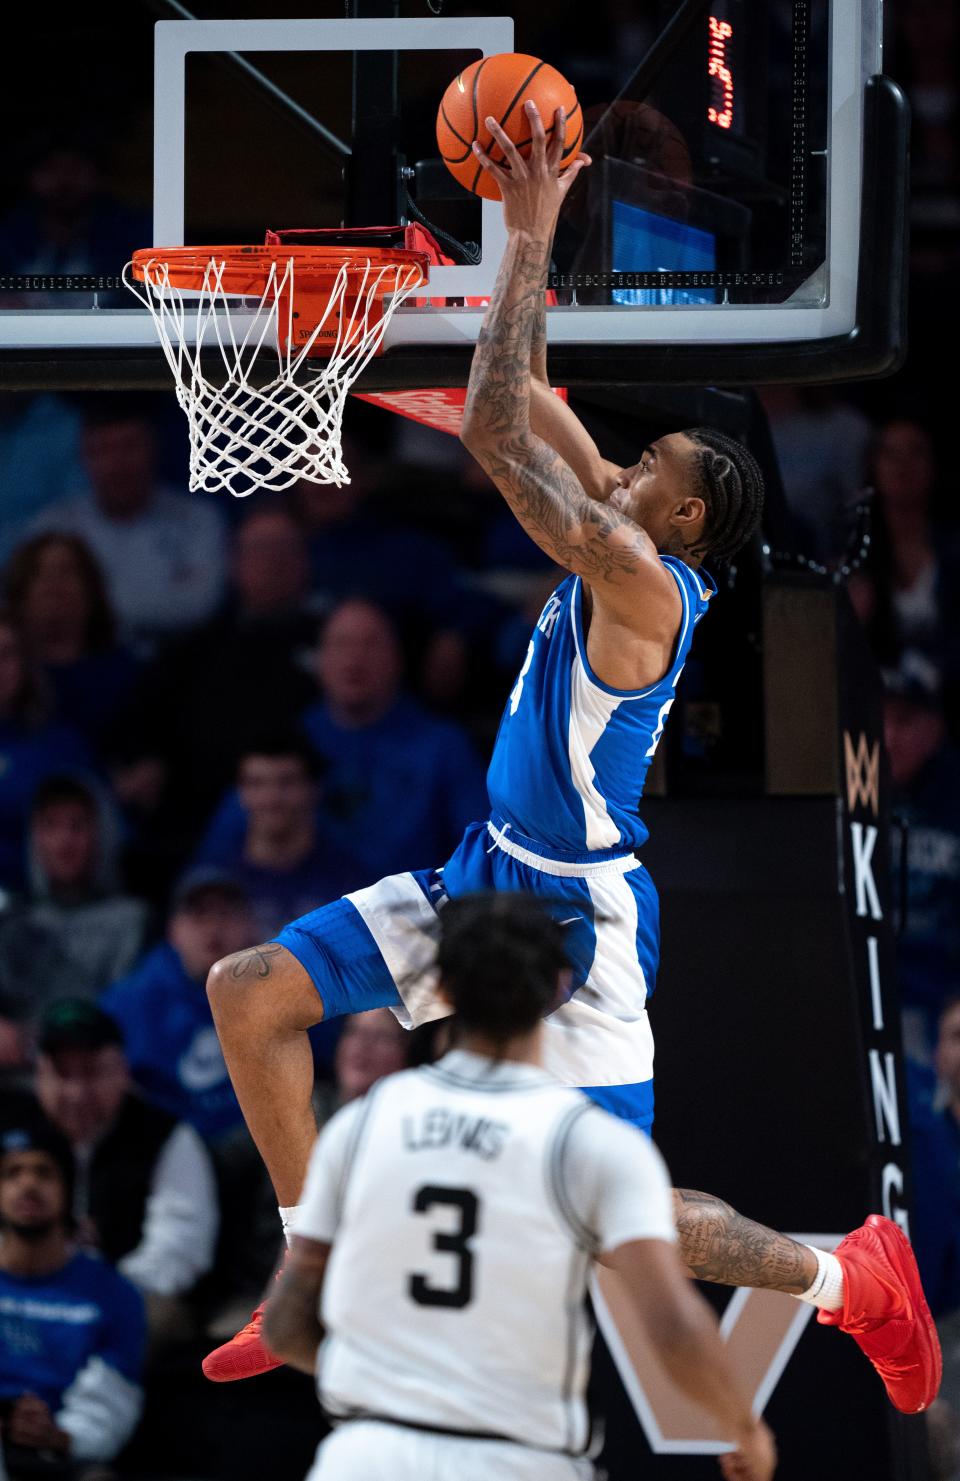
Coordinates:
<point>445,1239</point>
<point>577,736</point>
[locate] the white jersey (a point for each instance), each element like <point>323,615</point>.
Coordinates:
<point>464,1202</point>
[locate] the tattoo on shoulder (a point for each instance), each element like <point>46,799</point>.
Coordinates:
<point>255,962</point>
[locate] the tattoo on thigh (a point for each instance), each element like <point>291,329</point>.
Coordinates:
<point>255,961</point>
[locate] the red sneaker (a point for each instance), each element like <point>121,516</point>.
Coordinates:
<point>886,1313</point>
<point>245,1356</point>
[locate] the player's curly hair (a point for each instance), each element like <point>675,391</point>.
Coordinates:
<point>731,486</point>
<point>500,957</point>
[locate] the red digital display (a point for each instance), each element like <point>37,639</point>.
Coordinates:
<point>720,109</point>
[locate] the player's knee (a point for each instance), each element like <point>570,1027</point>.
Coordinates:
<point>261,992</point>
<point>232,994</point>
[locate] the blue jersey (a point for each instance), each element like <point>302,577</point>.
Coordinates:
<point>52,1326</point>
<point>572,753</point>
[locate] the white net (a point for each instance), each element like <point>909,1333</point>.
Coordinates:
<point>245,436</point>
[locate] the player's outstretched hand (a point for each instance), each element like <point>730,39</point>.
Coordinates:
<point>755,1459</point>
<point>533,188</point>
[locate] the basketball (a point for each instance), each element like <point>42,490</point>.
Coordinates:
<point>499,86</point>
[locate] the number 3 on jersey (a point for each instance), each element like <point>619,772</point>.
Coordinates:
<point>459,1292</point>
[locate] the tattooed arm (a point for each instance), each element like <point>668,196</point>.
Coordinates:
<point>580,532</point>
<point>291,1320</point>
<point>542,490</point>
<point>557,423</point>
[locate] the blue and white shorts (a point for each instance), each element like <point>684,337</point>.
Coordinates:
<point>374,949</point>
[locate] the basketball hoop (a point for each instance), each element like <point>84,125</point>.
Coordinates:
<point>322,310</point>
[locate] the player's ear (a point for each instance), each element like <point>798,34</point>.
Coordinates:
<point>689,511</point>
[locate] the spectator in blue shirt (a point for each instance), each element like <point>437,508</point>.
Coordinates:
<point>398,783</point>
<point>361,546</point>
<point>401,785</point>
<point>284,861</point>
<point>71,1328</point>
<point>56,592</point>
<point>171,1044</point>
<point>32,746</point>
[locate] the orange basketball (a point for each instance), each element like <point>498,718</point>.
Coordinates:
<point>500,86</point>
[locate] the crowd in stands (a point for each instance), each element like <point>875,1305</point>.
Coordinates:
<point>210,723</point>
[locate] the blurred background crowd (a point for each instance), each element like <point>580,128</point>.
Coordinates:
<point>216,715</point>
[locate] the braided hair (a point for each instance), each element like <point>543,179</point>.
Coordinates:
<point>500,957</point>
<point>731,485</point>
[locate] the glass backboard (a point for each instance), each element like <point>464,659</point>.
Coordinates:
<point>743,164</point>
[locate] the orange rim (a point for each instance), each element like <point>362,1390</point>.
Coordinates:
<point>246,270</point>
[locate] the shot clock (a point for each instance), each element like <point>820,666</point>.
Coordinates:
<point>722,85</point>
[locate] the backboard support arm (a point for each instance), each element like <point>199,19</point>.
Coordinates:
<point>373,174</point>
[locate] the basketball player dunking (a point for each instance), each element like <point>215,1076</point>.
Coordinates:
<point>580,728</point>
